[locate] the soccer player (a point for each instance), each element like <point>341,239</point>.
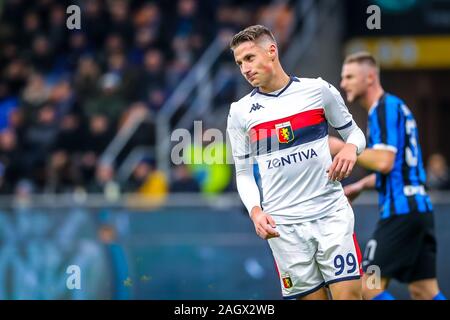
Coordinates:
<point>403,245</point>
<point>280,130</point>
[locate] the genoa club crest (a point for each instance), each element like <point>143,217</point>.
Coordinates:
<point>284,132</point>
<point>287,282</point>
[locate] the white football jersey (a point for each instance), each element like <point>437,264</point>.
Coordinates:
<point>285,135</point>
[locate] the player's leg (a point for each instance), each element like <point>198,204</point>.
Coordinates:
<point>389,255</point>
<point>425,289</point>
<point>374,287</point>
<point>321,294</point>
<point>346,290</point>
<point>423,284</point>
<point>338,254</point>
<point>300,277</point>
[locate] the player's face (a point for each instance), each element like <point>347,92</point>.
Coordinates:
<point>354,81</point>
<point>254,62</point>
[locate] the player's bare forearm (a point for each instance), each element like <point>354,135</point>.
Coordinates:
<point>352,191</point>
<point>264,223</point>
<point>335,145</point>
<point>377,160</point>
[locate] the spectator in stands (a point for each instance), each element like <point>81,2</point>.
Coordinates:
<point>128,75</point>
<point>105,182</point>
<point>41,55</point>
<point>120,22</point>
<point>144,39</point>
<point>8,103</point>
<point>152,76</point>
<point>64,99</point>
<point>78,47</point>
<point>147,23</point>
<point>31,27</point>
<point>147,181</point>
<point>62,170</point>
<point>95,21</point>
<point>110,102</point>
<point>57,33</point>
<point>35,93</point>
<point>98,135</point>
<point>183,181</point>
<point>16,74</point>
<point>87,79</point>
<point>10,161</point>
<point>38,141</point>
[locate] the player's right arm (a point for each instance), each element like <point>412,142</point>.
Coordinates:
<point>377,160</point>
<point>352,191</point>
<point>380,160</point>
<point>246,184</point>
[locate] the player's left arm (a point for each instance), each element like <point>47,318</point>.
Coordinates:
<point>340,118</point>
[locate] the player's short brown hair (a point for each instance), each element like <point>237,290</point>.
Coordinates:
<point>362,57</point>
<point>252,33</point>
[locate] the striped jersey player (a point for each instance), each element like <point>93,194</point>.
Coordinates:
<point>403,246</point>
<point>285,175</point>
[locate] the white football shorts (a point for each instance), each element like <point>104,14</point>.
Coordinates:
<point>316,253</point>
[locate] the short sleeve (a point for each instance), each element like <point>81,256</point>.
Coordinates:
<point>384,127</point>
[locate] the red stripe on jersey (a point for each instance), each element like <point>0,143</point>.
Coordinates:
<point>358,253</point>
<point>276,268</point>
<point>299,120</point>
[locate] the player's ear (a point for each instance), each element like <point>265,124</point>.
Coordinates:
<point>272,51</point>
<point>371,77</point>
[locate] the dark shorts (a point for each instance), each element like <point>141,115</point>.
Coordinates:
<point>403,247</point>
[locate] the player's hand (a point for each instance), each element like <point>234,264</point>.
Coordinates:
<point>264,224</point>
<point>352,191</point>
<point>343,163</point>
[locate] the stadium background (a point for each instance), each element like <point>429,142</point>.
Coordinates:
<point>86,118</point>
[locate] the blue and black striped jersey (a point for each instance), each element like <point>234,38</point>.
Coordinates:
<point>392,126</point>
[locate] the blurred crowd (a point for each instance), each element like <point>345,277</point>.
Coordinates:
<point>64,94</point>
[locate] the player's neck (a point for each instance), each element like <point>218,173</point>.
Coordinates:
<point>278,82</point>
<point>372,96</point>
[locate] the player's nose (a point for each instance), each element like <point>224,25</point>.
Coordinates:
<point>246,71</point>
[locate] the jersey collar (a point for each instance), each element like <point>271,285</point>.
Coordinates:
<point>373,107</point>
<point>276,93</point>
